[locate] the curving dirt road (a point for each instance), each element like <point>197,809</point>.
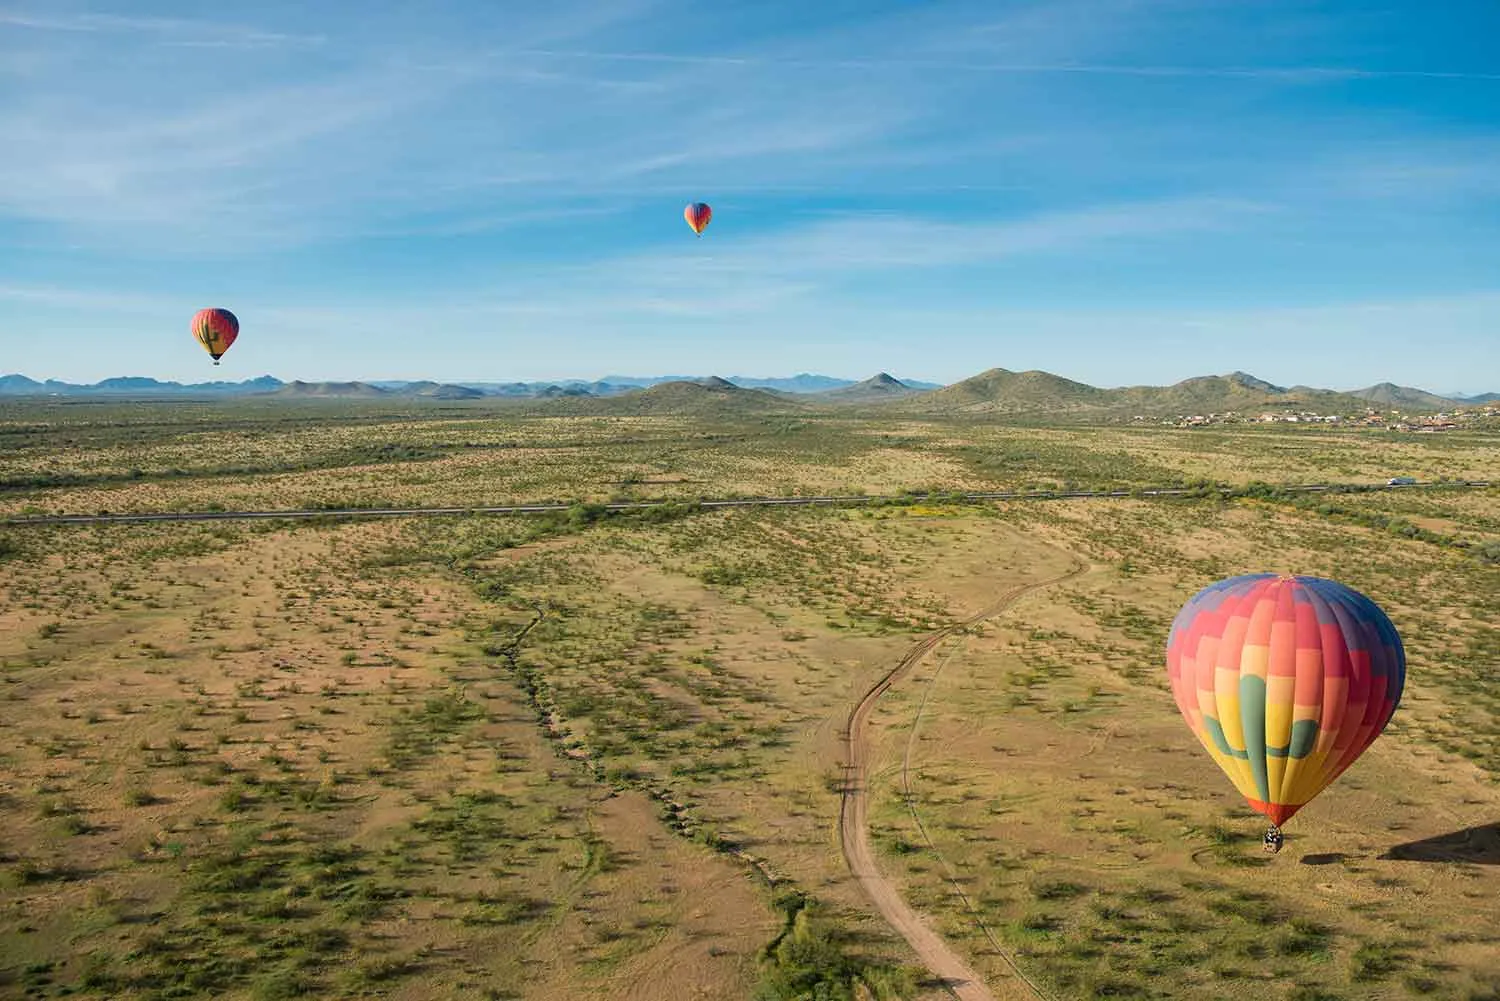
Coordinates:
<point>854,830</point>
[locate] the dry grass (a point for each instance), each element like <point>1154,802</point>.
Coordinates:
<point>264,769</point>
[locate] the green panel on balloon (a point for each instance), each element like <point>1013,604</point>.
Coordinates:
<point>1253,719</point>
<point>1216,734</point>
<point>1304,737</point>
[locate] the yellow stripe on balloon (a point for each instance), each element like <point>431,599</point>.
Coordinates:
<point>1280,689</point>
<point>1255,660</point>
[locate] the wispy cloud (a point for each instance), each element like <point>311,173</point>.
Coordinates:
<point>1043,37</point>
<point>553,310</point>
<point>274,154</point>
<point>282,157</point>
<point>81,298</point>
<point>165,30</point>
<point>195,173</point>
<point>1444,170</point>
<point>1306,74</point>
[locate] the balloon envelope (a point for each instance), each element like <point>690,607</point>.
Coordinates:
<point>215,329</point>
<point>1286,681</point>
<point>697,215</point>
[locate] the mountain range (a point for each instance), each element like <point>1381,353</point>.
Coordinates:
<point>20,385</point>
<point>998,391</point>
<point>610,385</point>
<point>1002,391</point>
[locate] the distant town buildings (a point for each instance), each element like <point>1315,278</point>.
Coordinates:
<point>1393,420</point>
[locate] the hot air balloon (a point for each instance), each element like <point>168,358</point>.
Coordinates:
<point>1286,681</point>
<point>215,329</point>
<point>697,215</point>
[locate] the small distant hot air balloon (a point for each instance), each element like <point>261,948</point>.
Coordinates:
<point>1285,681</point>
<point>697,215</point>
<point>215,329</point>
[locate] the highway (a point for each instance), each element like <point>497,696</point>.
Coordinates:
<point>303,514</point>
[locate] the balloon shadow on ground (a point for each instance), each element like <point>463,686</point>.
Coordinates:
<point>1476,845</point>
<point>1326,858</point>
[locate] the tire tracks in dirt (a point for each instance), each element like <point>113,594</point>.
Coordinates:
<point>854,830</point>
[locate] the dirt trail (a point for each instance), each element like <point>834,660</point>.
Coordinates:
<point>854,830</point>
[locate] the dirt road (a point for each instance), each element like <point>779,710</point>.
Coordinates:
<point>854,831</point>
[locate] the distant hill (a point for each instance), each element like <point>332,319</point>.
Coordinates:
<point>1481,398</point>
<point>1390,395</point>
<point>614,385</point>
<point>552,392</point>
<point>541,389</point>
<point>802,384</point>
<point>822,385</point>
<point>505,388</point>
<point>647,381</point>
<point>16,385</point>
<point>438,391</point>
<point>1238,391</point>
<point>1203,394</point>
<point>707,396</point>
<point>333,390</point>
<point>20,385</point>
<point>1002,391</point>
<point>875,389</point>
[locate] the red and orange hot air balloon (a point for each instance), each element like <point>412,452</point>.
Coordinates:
<point>216,330</point>
<point>1285,681</point>
<point>697,215</point>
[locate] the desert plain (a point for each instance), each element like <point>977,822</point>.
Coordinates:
<point>603,755</point>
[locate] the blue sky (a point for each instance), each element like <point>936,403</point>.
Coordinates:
<point>1118,191</point>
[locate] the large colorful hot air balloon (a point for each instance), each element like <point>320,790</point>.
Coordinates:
<point>697,215</point>
<point>1286,681</point>
<point>215,329</point>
